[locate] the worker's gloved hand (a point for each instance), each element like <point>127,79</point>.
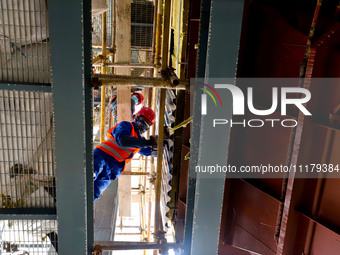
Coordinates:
<point>168,142</point>
<point>165,144</point>
<point>153,140</point>
<point>154,153</point>
<point>166,132</point>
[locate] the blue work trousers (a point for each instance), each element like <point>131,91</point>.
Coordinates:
<point>106,169</point>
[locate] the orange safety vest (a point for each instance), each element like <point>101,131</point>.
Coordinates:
<point>120,153</point>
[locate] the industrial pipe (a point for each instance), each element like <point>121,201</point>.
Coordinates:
<point>104,35</point>
<point>113,245</point>
<point>158,34</point>
<point>127,80</point>
<point>103,90</point>
<point>165,43</point>
<point>135,65</point>
<point>145,238</point>
<point>154,30</point>
<point>152,167</point>
<point>136,173</point>
<point>149,212</point>
<point>173,78</point>
<point>142,188</point>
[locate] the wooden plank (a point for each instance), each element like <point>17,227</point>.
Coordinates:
<point>123,55</point>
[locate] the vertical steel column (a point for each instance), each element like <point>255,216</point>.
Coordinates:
<point>196,126</point>
<point>70,37</point>
<point>222,53</point>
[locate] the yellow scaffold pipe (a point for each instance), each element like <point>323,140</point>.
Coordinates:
<point>159,234</point>
<point>103,90</point>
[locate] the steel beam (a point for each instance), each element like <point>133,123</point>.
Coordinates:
<point>70,39</point>
<point>28,214</point>
<point>222,53</point>
<point>196,128</point>
<point>88,107</point>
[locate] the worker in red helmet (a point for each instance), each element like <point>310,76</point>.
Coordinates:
<point>139,97</point>
<point>136,99</point>
<point>123,142</point>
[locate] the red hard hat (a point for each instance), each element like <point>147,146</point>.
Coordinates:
<point>140,97</point>
<point>147,113</point>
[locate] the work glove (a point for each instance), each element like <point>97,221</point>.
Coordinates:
<point>153,140</point>
<point>154,153</point>
<point>166,132</point>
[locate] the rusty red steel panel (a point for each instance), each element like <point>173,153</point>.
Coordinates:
<point>325,99</point>
<point>180,217</point>
<point>230,250</point>
<point>270,46</point>
<point>252,218</point>
<point>246,241</point>
<point>256,146</point>
<point>184,174</point>
<point>273,43</point>
<point>325,242</point>
<point>330,203</point>
<point>192,50</point>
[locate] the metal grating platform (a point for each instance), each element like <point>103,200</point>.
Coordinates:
<point>28,237</point>
<point>26,150</point>
<point>24,41</point>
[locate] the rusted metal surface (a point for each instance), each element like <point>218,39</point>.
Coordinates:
<point>229,249</point>
<point>251,218</point>
<point>265,51</point>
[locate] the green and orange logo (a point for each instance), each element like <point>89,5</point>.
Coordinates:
<point>204,97</point>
